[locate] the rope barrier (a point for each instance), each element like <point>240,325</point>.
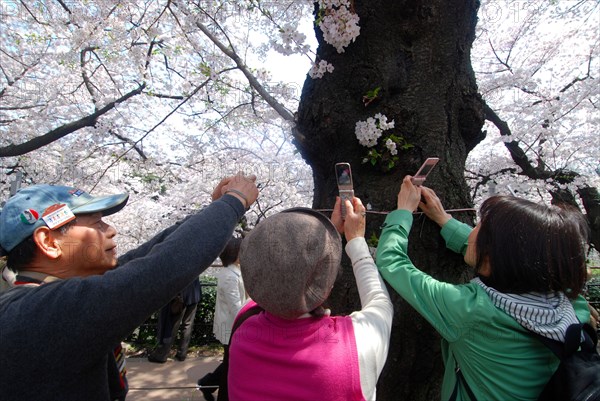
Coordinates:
<point>163,388</point>
<point>417,213</point>
<point>174,388</point>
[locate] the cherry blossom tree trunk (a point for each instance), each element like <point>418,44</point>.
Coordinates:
<point>418,53</point>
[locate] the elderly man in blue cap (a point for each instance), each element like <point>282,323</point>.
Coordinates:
<point>62,323</point>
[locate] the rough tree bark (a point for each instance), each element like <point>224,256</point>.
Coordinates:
<point>418,53</point>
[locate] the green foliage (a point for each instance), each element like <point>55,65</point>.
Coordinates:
<point>145,335</point>
<point>320,16</point>
<point>203,325</point>
<point>205,69</point>
<point>371,95</point>
<point>33,38</point>
<point>373,240</point>
<point>202,334</point>
<point>149,178</point>
<point>592,293</point>
<point>381,156</point>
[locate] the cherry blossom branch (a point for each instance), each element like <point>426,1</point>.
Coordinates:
<point>483,179</point>
<point>131,142</point>
<point>64,6</point>
<point>590,196</point>
<point>84,75</point>
<point>33,15</point>
<point>169,114</point>
<point>518,155</point>
<point>64,130</point>
<point>229,52</point>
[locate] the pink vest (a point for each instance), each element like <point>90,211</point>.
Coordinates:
<point>271,358</point>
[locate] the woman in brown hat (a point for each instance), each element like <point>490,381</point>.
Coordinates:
<point>294,349</point>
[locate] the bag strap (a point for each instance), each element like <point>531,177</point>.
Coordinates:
<point>572,343</point>
<point>572,340</point>
<point>223,390</point>
<point>460,378</point>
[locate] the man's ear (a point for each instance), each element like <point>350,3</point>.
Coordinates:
<point>46,242</point>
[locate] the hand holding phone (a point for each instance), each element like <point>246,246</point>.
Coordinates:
<point>343,175</point>
<point>419,178</point>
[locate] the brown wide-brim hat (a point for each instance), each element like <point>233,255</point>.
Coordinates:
<point>290,261</point>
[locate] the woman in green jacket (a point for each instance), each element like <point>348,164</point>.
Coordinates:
<point>529,261</point>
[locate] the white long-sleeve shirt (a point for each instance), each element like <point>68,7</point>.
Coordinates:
<point>373,323</point>
<point>231,296</point>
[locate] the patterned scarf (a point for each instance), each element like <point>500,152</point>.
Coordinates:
<point>548,315</point>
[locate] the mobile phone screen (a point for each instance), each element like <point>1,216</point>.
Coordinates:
<point>344,175</point>
<point>425,170</point>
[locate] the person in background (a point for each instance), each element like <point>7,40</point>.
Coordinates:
<point>529,262</point>
<point>8,276</point>
<point>595,315</point>
<point>294,349</point>
<point>62,323</point>
<point>231,296</point>
<point>178,315</point>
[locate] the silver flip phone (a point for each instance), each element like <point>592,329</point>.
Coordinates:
<point>343,174</point>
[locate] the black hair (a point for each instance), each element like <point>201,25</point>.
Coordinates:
<point>230,254</point>
<point>532,247</point>
<point>21,255</point>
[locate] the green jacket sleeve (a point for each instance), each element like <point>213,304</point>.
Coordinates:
<point>582,310</point>
<point>436,301</point>
<point>456,234</point>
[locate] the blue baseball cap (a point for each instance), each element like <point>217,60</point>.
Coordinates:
<point>52,206</point>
